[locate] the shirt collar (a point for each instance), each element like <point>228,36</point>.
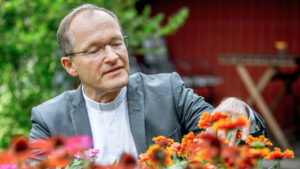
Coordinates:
<point>106,106</point>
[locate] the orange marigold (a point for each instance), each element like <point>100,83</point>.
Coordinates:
<point>186,140</point>
<point>227,124</point>
<point>218,116</point>
<point>245,163</point>
<point>249,156</point>
<point>159,156</point>
<point>204,121</point>
<point>259,152</point>
<point>163,141</point>
<point>209,166</point>
<point>277,154</point>
<point>143,157</point>
<point>200,135</point>
<point>207,119</point>
<point>238,135</point>
<point>230,154</point>
<point>261,138</point>
<point>176,147</point>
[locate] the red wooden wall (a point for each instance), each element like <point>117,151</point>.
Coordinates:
<point>216,27</point>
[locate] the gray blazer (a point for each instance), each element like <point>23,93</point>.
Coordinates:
<point>157,105</point>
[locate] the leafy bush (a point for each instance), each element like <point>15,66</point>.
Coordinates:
<point>30,57</point>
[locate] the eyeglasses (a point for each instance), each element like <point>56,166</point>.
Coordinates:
<point>116,44</point>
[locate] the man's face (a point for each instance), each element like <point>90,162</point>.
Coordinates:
<point>108,69</point>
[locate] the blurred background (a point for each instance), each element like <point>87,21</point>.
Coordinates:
<point>187,36</point>
<point>215,28</point>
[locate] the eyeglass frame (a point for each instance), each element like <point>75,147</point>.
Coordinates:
<point>104,45</point>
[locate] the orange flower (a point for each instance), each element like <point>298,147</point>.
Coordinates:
<point>204,121</point>
<point>207,119</point>
<point>254,153</point>
<point>186,140</point>
<point>126,161</point>
<point>145,167</point>
<point>18,151</point>
<point>57,158</point>
<point>259,152</point>
<point>198,153</point>
<point>165,142</point>
<point>194,165</point>
<point>158,156</point>
<point>209,166</point>
<point>203,147</point>
<point>7,157</point>
<point>45,146</point>
<point>218,116</point>
<point>249,156</point>
<point>176,147</point>
<point>227,124</point>
<point>238,135</point>
<point>230,154</point>
<point>261,138</point>
<point>277,154</point>
<point>144,157</point>
<point>200,135</point>
<point>206,148</point>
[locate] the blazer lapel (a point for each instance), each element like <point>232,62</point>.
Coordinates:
<point>135,101</point>
<point>79,116</point>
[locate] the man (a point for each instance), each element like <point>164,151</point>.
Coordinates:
<point>120,113</point>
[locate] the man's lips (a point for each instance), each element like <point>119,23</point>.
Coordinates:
<point>115,69</point>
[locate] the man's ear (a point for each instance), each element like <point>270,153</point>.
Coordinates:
<point>68,65</point>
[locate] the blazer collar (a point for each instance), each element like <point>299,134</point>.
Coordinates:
<point>135,101</point>
<point>79,115</point>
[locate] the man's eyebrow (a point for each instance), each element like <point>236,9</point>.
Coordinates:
<point>95,43</point>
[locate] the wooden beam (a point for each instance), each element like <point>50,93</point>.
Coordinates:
<point>262,106</point>
<point>262,83</point>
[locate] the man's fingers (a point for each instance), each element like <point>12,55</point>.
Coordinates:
<point>245,133</point>
<point>232,137</point>
<point>209,130</point>
<point>221,134</point>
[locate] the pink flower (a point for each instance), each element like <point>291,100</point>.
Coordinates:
<point>91,154</point>
<point>78,156</point>
<point>8,166</point>
<point>78,143</point>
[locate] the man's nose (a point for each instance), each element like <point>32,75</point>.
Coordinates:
<point>110,55</point>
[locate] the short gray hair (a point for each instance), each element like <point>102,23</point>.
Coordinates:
<point>65,39</point>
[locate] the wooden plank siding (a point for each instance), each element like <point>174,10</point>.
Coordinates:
<point>217,27</point>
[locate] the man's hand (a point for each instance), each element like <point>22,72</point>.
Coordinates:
<point>235,108</point>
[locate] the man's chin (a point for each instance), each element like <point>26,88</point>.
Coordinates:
<point>116,84</point>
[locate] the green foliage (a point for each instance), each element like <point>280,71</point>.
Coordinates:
<point>30,58</point>
<point>139,26</point>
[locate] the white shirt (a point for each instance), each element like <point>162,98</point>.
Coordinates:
<point>110,128</point>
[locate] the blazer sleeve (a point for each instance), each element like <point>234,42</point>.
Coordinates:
<point>190,107</point>
<point>259,126</point>
<point>39,128</point>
